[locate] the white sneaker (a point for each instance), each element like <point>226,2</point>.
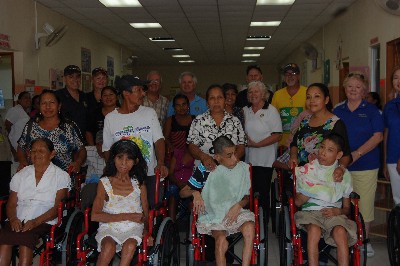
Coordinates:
<point>370,250</point>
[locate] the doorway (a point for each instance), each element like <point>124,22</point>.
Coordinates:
<point>392,60</point>
<point>7,81</point>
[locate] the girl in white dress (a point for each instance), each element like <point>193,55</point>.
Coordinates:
<point>121,204</point>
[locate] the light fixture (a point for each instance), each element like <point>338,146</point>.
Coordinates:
<point>258,38</point>
<point>186,61</point>
<point>275,2</point>
<point>254,48</point>
<point>251,55</point>
<point>248,61</point>
<point>172,49</point>
<point>145,25</point>
<point>265,23</point>
<point>162,39</point>
<point>121,3</point>
<point>180,55</point>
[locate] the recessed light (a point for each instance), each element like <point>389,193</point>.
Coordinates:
<point>172,49</point>
<point>121,3</point>
<point>254,48</point>
<point>275,2</point>
<point>181,55</point>
<point>248,61</point>
<point>145,25</point>
<point>265,23</point>
<point>162,39</point>
<point>251,55</point>
<point>186,61</point>
<point>258,38</point>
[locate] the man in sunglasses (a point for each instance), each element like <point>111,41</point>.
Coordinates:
<point>291,100</point>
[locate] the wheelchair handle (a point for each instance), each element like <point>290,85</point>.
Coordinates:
<point>354,195</point>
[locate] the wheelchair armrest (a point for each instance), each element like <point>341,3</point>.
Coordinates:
<point>85,229</point>
<point>354,195</point>
<point>60,216</point>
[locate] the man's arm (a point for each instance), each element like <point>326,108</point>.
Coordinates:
<point>300,199</point>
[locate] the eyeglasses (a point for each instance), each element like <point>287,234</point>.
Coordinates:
<point>361,76</point>
<point>154,82</point>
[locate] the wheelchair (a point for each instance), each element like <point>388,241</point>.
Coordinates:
<point>393,236</point>
<point>196,243</point>
<point>165,250</point>
<point>58,246</point>
<point>290,245</point>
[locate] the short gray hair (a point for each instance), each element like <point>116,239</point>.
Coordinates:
<point>152,72</point>
<point>188,73</point>
<point>260,86</point>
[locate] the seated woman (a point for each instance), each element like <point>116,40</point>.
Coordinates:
<point>224,194</point>
<point>121,204</point>
<point>36,192</point>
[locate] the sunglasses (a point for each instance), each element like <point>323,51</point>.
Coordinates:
<point>361,76</point>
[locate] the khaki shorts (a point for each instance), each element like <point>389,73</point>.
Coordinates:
<point>304,218</point>
<point>364,183</point>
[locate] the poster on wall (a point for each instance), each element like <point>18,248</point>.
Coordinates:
<point>56,80</point>
<point>86,60</point>
<point>110,66</point>
<point>86,83</point>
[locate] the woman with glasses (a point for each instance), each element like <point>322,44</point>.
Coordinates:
<point>364,125</point>
<point>391,115</point>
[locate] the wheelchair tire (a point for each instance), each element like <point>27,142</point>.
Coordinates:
<point>167,241</point>
<point>262,259</point>
<point>285,246</point>
<point>393,236</point>
<point>73,228</point>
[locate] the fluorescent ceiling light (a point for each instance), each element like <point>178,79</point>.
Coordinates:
<point>121,3</point>
<point>162,39</point>
<point>186,61</point>
<point>181,55</point>
<point>172,49</point>
<point>258,38</point>
<point>265,23</point>
<point>145,25</point>
<point>254,48</point>
<point>275,2</point>
<point>251,55</point>
<point>248,61</point>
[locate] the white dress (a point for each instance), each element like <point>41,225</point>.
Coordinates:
<point>121,231</point>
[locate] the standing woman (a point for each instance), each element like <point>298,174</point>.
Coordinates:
<point>391,115</point>
<point>263,128</point>
<point>231,92</point>
<point>365,130</point>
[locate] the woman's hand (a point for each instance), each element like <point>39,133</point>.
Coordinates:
<point>198,203</point>
<point>16,225</point>
<point>75,167</point>
<point>162,169</point>
<point>293,162</point>
<point>386,172</point>
<point>29,225</point>
<point>251,143</point>
<point>338,174</point>
<point>331,212</point>
<point>232,214</point>
<point>208,162</point>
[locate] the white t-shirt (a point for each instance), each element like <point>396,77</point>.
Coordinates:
<point>34,200</point>
<point>16,131</point>
<point>141,126</point>
<point>259,126</point>
<point>16,113</point>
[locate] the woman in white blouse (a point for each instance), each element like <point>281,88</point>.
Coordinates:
<point>36,192</point>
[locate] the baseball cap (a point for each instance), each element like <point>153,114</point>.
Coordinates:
<point>128,81</point>
<point>293,67</point>
<point>99,70</point>
<point>71,69</point>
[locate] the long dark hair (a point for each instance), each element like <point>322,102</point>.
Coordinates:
<point>125,146</point>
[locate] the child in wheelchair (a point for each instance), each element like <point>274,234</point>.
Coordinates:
<point>36,192</point>
<point>224,194</point>
<point>325,203</point>
<point>121,205</point>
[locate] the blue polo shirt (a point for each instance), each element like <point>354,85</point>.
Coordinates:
<point>197,106</point>
<point>361,124</point>
<point>391,115</point>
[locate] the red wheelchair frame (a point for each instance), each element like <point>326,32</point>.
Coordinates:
<point>197,241</point>
<point>355,254</point>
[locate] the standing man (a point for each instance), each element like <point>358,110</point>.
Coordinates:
<point>253,73</point>
<point>73,101</point>
<point>153,97</point>
<point>188,82</point>
<point>291,100</point>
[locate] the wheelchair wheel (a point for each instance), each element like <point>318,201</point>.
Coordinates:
<point>285,247</point>
<point>73,228</point>
<point>168,244</point>
<point>393,236</point>
<point>262,259</point>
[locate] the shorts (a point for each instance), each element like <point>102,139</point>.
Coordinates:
<point>244,216</point>
<point>303,218</point>
<point>364,184</point>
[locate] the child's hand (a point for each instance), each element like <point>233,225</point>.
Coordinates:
<point>232,214</point>
<point>338,174</point>
<point>330,212</point>
<point>137,217</point>
<point>198,203</point>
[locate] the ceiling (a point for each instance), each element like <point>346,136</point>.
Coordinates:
<point>210,31</point>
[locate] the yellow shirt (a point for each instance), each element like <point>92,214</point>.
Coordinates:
<point>289,108</point>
